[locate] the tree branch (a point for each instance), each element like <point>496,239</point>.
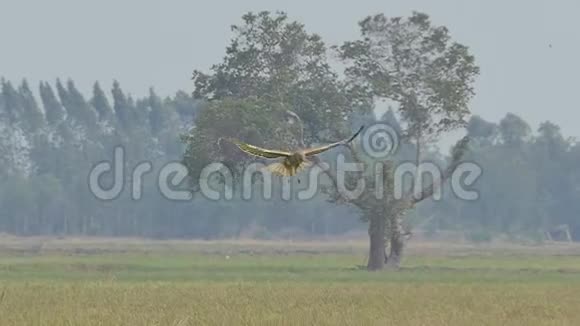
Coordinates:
<point>295,116</point>
<point>457,154</point>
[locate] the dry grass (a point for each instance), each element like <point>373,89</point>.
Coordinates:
<point>137,282</point>
<point>288,303</point>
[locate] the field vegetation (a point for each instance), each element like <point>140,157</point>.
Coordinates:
<point>135,282</point>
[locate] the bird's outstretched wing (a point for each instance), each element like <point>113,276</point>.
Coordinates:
<point>318,150</point>
<point>258,151</point>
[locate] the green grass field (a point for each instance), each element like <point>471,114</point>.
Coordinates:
<point>249,284</point>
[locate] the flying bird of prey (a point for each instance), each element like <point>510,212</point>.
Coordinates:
<point>292,162</point>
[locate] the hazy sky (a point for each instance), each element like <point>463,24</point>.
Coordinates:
<point>528,51</point>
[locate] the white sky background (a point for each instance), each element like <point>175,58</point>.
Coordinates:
<point>159,43</point>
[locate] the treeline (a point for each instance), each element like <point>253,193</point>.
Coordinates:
<point>48,145</point>
<point>530,182</point>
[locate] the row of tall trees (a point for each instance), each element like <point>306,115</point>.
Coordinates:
<point>52,138</point>
<point>531,180</point>
<point>530,183</point>
<point>49,144</point>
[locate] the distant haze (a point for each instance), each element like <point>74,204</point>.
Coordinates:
<point>528,51</point>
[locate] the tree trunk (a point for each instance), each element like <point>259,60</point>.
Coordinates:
<point>377,243</point>
<point>416,189</point>
<point>396,253</point>
<point>397,243</point>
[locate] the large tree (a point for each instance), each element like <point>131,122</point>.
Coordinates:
<point>416,66</point>
<point>276,60</point>
<point>272,69</point>
<point>272,65</point>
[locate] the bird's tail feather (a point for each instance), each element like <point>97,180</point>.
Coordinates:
<point>286,171</point>
<point>279,169</point>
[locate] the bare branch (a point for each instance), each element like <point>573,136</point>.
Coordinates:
<point>296,117</point>
<point>457,154</point>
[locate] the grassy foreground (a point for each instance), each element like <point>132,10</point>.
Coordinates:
<point>193,288</point>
